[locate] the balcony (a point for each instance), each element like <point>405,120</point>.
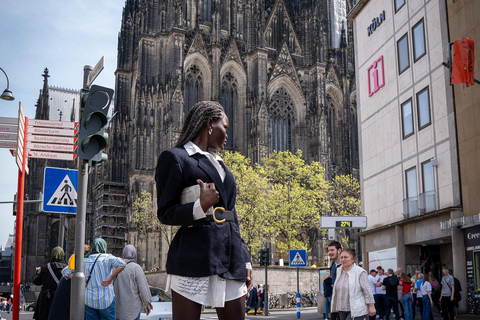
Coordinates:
<point>427,202</point>
<point>410,207</point>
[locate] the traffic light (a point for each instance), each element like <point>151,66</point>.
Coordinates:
<point>265,257</point>
<point>92,138</point>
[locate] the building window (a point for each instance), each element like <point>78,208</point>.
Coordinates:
<point>228,99</point>
<point>399,4</point>
<point>281,120</point>
<point>403,59</point>
<point>427,200</point>
<point>411,203</point>
<point>407,118</point>
<point>419,48</point>
<point>193,87</point>
<point>423,105</point>
<point>207,10</point>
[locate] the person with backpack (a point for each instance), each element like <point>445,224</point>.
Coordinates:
<point>48,276</point>
<point>457,295</point>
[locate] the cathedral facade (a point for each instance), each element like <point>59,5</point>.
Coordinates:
<point>283,70</point>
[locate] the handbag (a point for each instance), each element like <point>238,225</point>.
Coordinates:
<point>91,270</point>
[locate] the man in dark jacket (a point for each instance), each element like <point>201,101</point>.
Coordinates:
<point>327,293</point>
<point>390,284</point>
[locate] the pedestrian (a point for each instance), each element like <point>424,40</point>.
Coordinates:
<point>260,299</point>
<point>48,276</point>
<point>252,301</point>
<point>436,292</point>
<point>352,297</point>
<point>406,285</point>
<point>372,280</point>
<point>207,251</point>
<point>327,293</point>
<point>448,293</point>
<point>419,301</point>
<point>100,269</point>
<point>390,284</point>
<point>132,294</point>
<point>380,293</point>
<point>426,289</point>
<point>334,252</point>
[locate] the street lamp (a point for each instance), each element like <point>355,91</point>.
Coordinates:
<point>7,94</point>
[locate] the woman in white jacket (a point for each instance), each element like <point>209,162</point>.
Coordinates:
<point>352,297</point>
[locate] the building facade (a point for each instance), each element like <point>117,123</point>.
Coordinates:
<point>283,70</point>
<point>463,22</point>
<point>409,160</point>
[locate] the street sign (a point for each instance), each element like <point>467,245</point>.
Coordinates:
<point>96,71</point>
<point>6,128</point>
<point>298,258</point>
<point>340,222</point>
<point>52,155</point>
<point>51,147</point>
<point>52,124</point>
<point>9,120</point>
<point>52,131</point>
<point>8,144</point>
<point>51,139</point>
<point>60,190</point>
<point>8,136</point>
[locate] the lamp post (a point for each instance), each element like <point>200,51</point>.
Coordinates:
<point>7,94</point>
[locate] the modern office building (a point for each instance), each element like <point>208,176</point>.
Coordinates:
<point>409,159</point>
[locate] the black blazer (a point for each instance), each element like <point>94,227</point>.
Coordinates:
<point>207,248</point>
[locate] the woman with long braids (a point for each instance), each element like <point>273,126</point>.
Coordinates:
<point>208,262</point>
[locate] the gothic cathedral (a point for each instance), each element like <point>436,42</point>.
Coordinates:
<point>282,69</point>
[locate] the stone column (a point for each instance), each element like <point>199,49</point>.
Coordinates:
<point>400,242</point>
<point>459,266</point>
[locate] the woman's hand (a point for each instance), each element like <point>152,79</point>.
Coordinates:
<point>371,309</point>
<point>208,195</point>
<point>249,281</point>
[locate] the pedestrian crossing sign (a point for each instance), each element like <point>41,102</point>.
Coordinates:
<point>60,190</point>
<point>298,258</point>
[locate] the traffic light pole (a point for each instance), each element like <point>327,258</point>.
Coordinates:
<point>77,301</point>
<point>265,310</point>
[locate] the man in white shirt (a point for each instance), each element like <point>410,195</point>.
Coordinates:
<point>380,293</point>
<point>372,280</point>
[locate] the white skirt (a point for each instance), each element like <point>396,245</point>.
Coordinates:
<point>210,291</point>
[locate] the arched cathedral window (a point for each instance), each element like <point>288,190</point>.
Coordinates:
<point>228,99</point>
<point>281,120</point>
<point>193,87</point>
<point>207,10</point>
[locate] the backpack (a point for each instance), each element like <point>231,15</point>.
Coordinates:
<point>458,288</point>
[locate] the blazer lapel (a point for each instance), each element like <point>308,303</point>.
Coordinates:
<point>207,166</point>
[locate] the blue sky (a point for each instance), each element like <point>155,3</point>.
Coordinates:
<point>62,36</point>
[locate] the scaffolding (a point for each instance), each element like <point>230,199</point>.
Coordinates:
<point>110,215</point>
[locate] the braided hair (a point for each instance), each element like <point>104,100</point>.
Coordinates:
<point>197,119</point>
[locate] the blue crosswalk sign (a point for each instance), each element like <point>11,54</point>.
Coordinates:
<point>60,190</point>
<point>298,258</point>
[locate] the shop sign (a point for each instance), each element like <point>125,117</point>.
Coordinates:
<point>376,76</point>
<point>376,22</point>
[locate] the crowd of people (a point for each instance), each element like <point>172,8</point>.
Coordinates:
<point>115,288</point>
<point>350,293</point>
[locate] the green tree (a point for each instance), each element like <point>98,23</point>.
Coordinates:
<point>296,197</point>
<point>253,216</point>
<point>144,214</point>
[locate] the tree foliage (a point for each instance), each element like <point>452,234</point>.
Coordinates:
<point>144,215</point>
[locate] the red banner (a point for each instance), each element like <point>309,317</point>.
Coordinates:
<point>462,67</point>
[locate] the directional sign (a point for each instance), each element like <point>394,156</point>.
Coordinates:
<point>8,136</point>
<point>52,131</point>
<point>52,124</point>
<point>5,128</point>
<point>8,144</point>
<point>9,120</point>
<point>338,222</point>
<point>60,190</point>
<point>298,258</point>
<point>96,71</point>
<point>51,139</point>
<point>51,147</point>
<point>52,155</point>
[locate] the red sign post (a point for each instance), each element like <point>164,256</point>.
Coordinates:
<point>21,161</point>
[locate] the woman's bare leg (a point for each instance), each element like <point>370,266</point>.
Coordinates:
<point>233,310</point>
<point>185,309</point>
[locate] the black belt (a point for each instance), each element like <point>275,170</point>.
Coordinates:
<point>220,215</point>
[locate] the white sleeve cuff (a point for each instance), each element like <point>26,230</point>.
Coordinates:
<point>249,266</point>
<point>198,211</point>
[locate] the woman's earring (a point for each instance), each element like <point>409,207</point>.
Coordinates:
<point>210,131</point>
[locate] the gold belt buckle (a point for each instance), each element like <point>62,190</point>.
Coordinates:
<point>215,218</point>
